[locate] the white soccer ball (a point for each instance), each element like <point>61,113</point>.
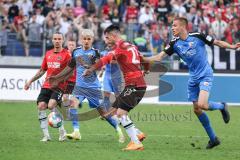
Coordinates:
<point>55,120</point>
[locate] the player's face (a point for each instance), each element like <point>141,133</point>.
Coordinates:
<point>177,28</point>
<point>109,40</point>
<point>87,41</point>
<point>57,40</point>
<point>71,45</point>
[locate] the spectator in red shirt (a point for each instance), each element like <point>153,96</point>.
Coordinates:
<point>131,14</point>
<point>108,7</point>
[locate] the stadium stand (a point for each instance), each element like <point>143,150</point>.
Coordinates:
<point>144,22</point>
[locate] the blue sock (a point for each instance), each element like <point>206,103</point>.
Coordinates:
<point>106,103</point>
<point>111,121</point>
<point>215,106</point>
<point>203,118</point>
<point>74,118</point>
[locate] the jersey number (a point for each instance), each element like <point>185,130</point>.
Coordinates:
<point>134,55</point>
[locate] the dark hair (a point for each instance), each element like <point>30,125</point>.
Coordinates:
<point>112,28</point>
<point>183,20</point>
<point>59,33</point>
<point>71,39</point>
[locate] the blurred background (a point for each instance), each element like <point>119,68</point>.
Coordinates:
<point>26,26</point>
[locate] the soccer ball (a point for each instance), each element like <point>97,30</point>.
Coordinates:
<point>55,120</point>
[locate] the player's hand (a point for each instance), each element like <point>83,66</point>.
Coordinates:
<point>27,85</point>
<point>87,72</point>
<point>237,46</point>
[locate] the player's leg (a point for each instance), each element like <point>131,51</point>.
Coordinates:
<point>203,118</point>
<point>113,111</point>
<point>106,100</point>
<point>73,110</point>
<point>94,96</point>
<point>200,101</point>
<point>107,92</point>
<point>205,86</point>
<point>55,99</point>
<point>126,101</point>
<point>42,101</point>
<point>135,143</point>
<point>66,98</point>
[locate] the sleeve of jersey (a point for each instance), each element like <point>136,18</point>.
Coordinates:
<point>44,64</point>
<point>103,61</point>
<point>169,48</point>
<point>206,39</point>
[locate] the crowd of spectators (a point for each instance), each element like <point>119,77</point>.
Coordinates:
<point>146,23</point>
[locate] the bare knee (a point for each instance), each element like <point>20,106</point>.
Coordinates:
<point>42,106</point>
<point>197,110</point>
<point>121,112</point>
<point>52,104</point>
<point>202,105</point>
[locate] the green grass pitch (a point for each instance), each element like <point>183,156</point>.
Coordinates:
<point>173,133</point>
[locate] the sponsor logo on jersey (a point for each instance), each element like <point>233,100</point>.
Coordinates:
<point>53,64</point>
<point>206,83</point>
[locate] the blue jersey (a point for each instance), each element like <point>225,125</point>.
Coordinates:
<point>193,52</point>
<point>84,59</point>
<point>112,81</point>
<point>112,68</point>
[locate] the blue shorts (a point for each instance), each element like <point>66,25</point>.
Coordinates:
<point>194,87</point>
<point>93,95</point>
<point>112,84</point>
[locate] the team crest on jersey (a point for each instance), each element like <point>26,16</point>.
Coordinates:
<point>205,83</point>
<point>90,56</point>
<point>59,58</point>
<point>191,44</point>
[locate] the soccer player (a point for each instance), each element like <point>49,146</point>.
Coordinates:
<point>190,47</point>
<point>85,87</point>
<point>55,61</point>
<point>112,80</point>
<point>128,59</point>
<point>71,45</point>
<point>112,83</point>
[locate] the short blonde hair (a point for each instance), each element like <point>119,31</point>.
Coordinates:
<point>87,32</point>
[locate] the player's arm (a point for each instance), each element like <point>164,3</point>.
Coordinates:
<point>100,74</point>
<point>168,51</point>
<point>102,62</point>
<point>64,74</point>
<point>38,75</point>
<point>159,57</point>
<point>224,44</point>
<point>209,40</point>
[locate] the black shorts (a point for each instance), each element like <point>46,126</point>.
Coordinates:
<point>129,97</point>
<point>46,94</point>
<point>69,87</point>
